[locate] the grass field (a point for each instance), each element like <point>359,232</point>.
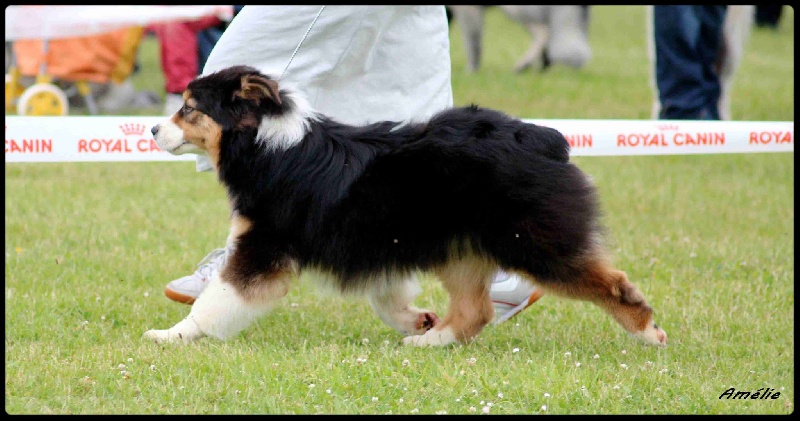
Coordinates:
<point>708,239</point>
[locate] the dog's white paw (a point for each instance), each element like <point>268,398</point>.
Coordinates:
<point>652,335</point>
<point>183,332</point>
<point>432,337</point>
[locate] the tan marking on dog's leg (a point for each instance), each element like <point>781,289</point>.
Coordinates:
<point>610,290</point>
<point>467,282</point>
<point>393,305</point>
<point>239,225</point>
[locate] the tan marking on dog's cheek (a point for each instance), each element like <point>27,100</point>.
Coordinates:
<point>213,140</point>
<point>203,132</point>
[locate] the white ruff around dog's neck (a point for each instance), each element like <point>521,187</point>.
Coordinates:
<point>288,129</point>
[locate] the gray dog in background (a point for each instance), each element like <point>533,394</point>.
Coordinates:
<point>560,34</point>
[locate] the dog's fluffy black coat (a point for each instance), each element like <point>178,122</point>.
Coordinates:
<point>467,192</point>
<point>394,198</point>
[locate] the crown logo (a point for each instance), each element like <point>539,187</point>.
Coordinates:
<point>667,126</point>
<point>132,129</point>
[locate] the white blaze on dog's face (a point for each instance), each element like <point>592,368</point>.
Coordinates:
<point>188,130</point>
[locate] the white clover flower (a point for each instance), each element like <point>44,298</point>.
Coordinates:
<point>499,395</point>
<point>374,399</point>
<point>567,354</point>
<point>515,350</point>
<point>596,356</point>
<point>577,364</point>
<point>472,361</point>
<point>146,294</point>
<point>365,341</point>
<point>623,365</point>
<point>544,407</point>
<point>414,411</point>
<point>311,386</point>
<point>624,352</point>
<point>472,409</point>
<point>486,409</point>
<point>406,363</point>
<point>121,366</point>
<point>546,395</point>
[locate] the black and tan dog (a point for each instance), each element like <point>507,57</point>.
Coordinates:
<point>364,208</point>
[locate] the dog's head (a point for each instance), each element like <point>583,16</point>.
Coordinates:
<point>236,99</point>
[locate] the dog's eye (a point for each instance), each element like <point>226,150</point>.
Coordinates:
<point>187,109</point>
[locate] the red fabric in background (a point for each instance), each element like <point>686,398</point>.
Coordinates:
<point>178,41</point>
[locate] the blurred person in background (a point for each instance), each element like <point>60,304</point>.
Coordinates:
<point>768,15</point>
<point>688,42</point>
<point>357,64</point>
<point>185,46</point>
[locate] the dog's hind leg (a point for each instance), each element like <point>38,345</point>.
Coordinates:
<point>610,289</point>
<point>470,18</point>
<point>392,303</point>
<point>535,51</point>
<point>229,304</point>
<point>467,282</point>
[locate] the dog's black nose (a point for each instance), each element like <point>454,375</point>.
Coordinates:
<point>154,130</point>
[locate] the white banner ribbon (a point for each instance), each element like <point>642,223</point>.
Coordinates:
<point>128,138</point>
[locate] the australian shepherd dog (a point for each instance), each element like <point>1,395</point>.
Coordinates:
<point>366,208</point>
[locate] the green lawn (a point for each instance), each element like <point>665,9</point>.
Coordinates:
<point>708,239</point>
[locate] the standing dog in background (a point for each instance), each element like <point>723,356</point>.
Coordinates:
<point>560,34</point>
<point>735,33</point>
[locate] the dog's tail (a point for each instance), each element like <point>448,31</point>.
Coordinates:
<point>545,141</point>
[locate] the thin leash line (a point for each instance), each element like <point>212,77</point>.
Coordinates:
<point>301,42</point>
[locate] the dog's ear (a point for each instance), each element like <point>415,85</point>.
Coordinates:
<point>256,87</point>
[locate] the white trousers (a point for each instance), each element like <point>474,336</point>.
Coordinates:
<point>358,64</point>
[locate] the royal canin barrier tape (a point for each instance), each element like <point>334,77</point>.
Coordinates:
<point>128,138</point>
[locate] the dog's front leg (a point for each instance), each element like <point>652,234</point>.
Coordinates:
<point>222,310</point>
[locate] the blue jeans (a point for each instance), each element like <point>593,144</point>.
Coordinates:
<point>688,40</point>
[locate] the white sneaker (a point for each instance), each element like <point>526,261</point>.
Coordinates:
<point>187,289</point>
<point>510,295</point>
